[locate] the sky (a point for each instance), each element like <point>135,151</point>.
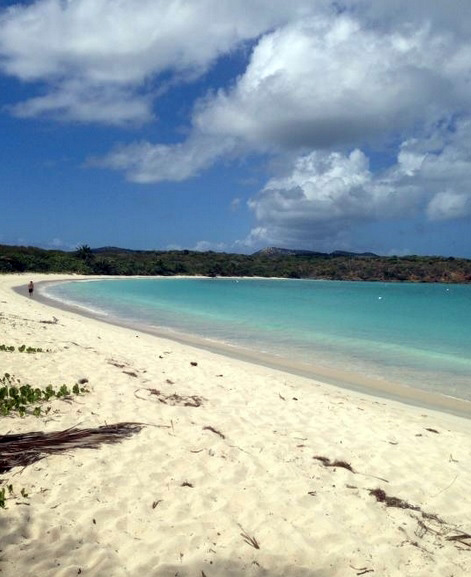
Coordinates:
<point>233,125</point>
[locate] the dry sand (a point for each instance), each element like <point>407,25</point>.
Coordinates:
<point>230,488</point>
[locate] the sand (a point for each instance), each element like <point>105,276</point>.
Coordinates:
<point>236,486</point>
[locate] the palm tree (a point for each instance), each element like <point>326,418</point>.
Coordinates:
<point>84,252</point>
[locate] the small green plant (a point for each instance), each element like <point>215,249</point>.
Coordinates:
<point>7,348</point>
<point>16,398</point>
<point>8,491</point>
<point>23,349</point>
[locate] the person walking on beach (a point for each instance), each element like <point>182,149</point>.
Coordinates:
<point>30,288</point>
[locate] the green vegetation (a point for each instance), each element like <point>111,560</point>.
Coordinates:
<point>267,263</point>
<point>22,349</point>
<point>9,491</point>
<point>17,398</point>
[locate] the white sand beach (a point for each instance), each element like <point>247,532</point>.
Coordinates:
<point>230,475</point>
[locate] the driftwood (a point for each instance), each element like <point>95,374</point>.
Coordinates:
<point>28,448</point>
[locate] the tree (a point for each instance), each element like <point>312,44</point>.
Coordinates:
<point>84,252</point>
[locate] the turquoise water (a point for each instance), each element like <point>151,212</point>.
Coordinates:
<point>415,334</point>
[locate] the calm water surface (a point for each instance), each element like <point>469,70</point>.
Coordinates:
<point>415,334</point>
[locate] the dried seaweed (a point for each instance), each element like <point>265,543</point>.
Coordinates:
<point>381,497</point>
<point>174,399</point>
<point>130,373</point>
<point>115,363</point>
<point>328,463</point>
<point>25,449</point>
<point>344,465</point>
<point>362,570</point>
<point>324,460</point>
<point>53,322</point>
<point>213,430</point>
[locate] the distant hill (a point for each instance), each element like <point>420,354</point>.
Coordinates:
<point>269,262</point>
<point>354,254</point>
<point>276,251</point>
<point>114,249</point>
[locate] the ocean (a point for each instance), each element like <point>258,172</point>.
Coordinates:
<point>416,335</point>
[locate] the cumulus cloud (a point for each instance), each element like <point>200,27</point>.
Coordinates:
<point>330,81</point>
<point>326,84</point>
<point>321,197</point>
<point>107,52</point>
<point>325,195</point>
<point>454,15</point>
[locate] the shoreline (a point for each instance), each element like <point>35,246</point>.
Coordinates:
<point>348,380</point>
<point>237,469</point>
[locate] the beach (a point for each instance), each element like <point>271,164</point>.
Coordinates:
<point>237,470</point>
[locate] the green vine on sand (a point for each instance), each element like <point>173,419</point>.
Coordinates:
<point>17,398</point>
<point>22,349</point>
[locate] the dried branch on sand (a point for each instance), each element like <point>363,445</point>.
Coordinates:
<point>26,449</point>
<point>252,541</point>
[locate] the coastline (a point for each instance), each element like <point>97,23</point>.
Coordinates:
<point>345,379</point>
<point>258,461</point>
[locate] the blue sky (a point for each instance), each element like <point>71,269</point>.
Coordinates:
<point>235,125</point>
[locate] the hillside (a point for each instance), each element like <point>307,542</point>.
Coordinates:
<point>271,262</point>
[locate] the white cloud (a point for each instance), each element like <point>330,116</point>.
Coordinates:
<point>325,195</point>
<point>454,15</point>
<point>317,77</point>
<point>449,205</point>
<point>235,204</point>
<point>205,245</point>
<point>145,163</point>
<point>58,243</point>
<point>329,81</point>
<point>108,52</point>
<point>73,101</point>
<point>324,82</point>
